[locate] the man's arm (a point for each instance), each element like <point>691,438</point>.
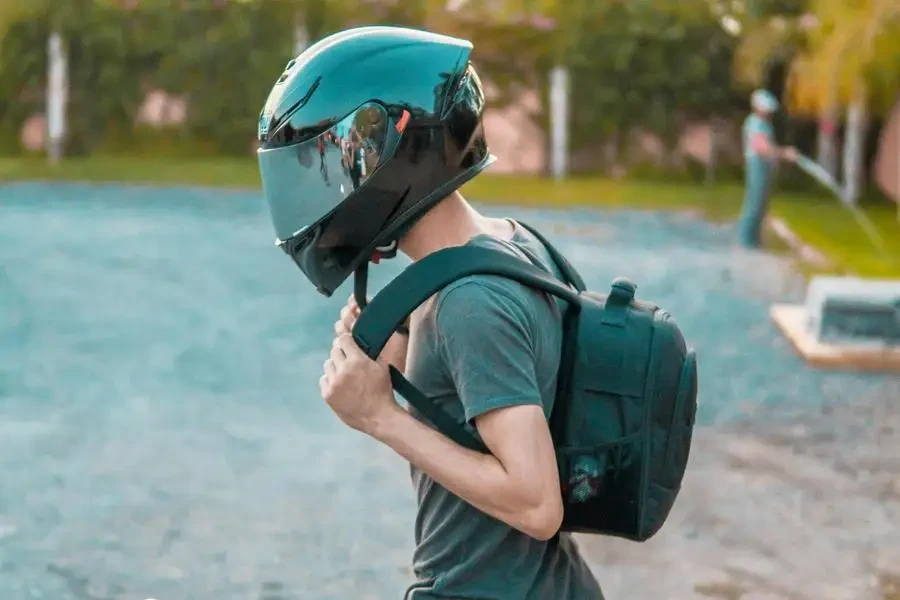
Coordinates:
<point>486,344</point>
<point>763,146</point>
<point>518,484</point>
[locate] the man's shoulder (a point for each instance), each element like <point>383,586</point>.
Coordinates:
<point>485,298</point>
<point>480,297</point>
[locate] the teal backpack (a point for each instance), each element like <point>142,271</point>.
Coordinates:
<point>626,396</point>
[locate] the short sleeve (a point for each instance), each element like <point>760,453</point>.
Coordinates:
<point>761,126</point>
<point>486,341</point>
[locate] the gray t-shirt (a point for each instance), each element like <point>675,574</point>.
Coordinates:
<point>483,343</point>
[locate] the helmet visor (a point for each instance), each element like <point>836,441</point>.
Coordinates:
<point>304,182</point>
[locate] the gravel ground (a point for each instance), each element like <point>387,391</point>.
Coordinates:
<point>161,434</point>
<point>804,508</point>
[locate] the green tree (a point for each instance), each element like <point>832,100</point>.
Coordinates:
<point>650,64</point>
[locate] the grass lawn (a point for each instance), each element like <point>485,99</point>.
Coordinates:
<point>817,220</point>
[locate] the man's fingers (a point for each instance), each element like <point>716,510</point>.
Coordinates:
<point>348,345</point>
<point>340,328</point>
<point>337,355</point>
<point>329,368</point>
<point>349,316</point>
<point>354,306</point>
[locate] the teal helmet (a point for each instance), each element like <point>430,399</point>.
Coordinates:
<point>363,133</point>
<point>764,100</point>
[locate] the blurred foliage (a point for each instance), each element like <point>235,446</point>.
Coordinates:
<point>831,48</point>
<point>852,49</point>
<point>647,64</point>
<point>650,65</point>
<point>828,58</point>
<point>221,58</point>
<point>639,65</point>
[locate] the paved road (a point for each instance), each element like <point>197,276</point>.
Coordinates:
<point>160,430</point>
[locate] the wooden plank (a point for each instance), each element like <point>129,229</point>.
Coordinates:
<point>790,320</point>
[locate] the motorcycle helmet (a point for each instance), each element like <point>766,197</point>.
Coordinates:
<point>361,135</point>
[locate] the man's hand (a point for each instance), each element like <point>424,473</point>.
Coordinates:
<point>357,388</point>
<point>789,153</point>
<point>393,353</point>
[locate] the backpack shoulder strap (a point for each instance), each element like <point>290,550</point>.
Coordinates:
<point>562,263</point>
<point>418,282</point>
<point>421,280</point>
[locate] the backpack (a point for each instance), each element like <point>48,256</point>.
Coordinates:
<point>626,393</point>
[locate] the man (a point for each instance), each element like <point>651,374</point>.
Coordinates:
<point>486,348</point>
<point>760,155</point>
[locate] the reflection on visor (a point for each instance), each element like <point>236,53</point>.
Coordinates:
<point>304,182</point>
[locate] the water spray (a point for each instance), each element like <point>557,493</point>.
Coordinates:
<point>820,174</point>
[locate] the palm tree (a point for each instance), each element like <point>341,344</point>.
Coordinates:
<point>844,56</point>
<point>851,53</point>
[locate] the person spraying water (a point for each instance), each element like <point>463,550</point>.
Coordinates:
<point>761,155</point>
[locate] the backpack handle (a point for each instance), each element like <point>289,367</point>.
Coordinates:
<point>421,280</point>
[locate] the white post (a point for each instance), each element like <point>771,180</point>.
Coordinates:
<point>826,142</point>
<point>57,90</point>
<point>854,141</point>
<point>713,154</point>
<point>559,117</point>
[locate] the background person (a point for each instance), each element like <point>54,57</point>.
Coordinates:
<point>760,155</point>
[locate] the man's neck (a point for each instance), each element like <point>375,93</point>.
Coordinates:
<point>452,222</point>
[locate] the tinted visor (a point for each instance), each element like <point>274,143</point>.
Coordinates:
<point>304,182</point>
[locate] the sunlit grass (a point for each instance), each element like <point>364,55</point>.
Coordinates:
<point>819,221</point>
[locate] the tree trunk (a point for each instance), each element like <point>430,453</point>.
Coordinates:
<point>713,154</point>
<point>854,144</point>
<point>826,143</point>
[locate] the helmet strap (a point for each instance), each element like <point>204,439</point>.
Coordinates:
<point>360,282</point>
<point>361,274</point>
<point>389,251</point>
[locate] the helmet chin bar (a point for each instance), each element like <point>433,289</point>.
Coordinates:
<point>361,275</point>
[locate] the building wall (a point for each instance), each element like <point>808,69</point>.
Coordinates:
<point>514,138</point>
<point>886,171</point>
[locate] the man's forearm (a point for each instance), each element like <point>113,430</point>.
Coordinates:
<point>479,479</point>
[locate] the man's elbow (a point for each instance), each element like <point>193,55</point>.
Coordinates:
<point>543,521</point>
